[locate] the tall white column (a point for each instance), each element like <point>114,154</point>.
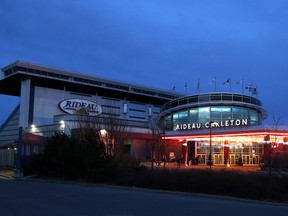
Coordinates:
<point>24,103</point>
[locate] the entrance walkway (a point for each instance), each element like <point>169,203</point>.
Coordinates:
<point>244,168</point>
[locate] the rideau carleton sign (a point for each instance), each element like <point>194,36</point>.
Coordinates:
<point>80,106</point>
<point>216,124</point>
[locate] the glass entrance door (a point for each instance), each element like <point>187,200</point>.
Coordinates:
<point>232,159</point>
<point>202,158</point>
<point>218,158</point>
<point>246,159</point>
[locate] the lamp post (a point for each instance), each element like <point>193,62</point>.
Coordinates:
<point>110,147</point>
<point>163,157</point>
<point>108,143</point>
<point>210,161</point>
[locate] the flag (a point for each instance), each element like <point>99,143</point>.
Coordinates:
<point>240,82</point>
<point>249,88</point>
<point>186,84</point>
<point>212,81</point>
<point>174,87</point>
<point>198,85</point>
<point>254,91</point>
<point>227,81</point>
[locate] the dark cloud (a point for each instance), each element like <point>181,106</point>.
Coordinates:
<point>171,41</point>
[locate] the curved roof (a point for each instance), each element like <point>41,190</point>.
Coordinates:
<point>78,82</point>
<point>214,99</point>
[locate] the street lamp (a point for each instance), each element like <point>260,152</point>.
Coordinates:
<point>210,161</point>
<point>110,147</point>
<point>164,158</point>
<point>62,125</point>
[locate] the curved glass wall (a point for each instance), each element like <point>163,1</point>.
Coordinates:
<point>225,109</point>
<point>211,113</point>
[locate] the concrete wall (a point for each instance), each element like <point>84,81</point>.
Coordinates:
<point>7,157</point>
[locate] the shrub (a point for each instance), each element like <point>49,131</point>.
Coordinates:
<point>256,186</point>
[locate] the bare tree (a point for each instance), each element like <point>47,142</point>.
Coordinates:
<point>117,133</point>
<point>112,128</point>
<point>154,125</point>
<point>272,143</point>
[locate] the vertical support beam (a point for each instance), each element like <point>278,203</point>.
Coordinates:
<point>24,103</point>
<point>18,172</point>
<point>226,152</point>
<point>184,153</point>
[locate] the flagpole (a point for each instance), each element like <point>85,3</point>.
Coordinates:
<point>198,86</point>
<point>228,81</point>
<point>173,89</point>
<point>213,82</point>
<point>255,92</point>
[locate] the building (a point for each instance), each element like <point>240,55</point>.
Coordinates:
<point>222,127</point>
<point>50,99</point>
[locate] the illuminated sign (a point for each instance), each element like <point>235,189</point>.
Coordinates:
<point>80,106</point>
<point>214,124</point>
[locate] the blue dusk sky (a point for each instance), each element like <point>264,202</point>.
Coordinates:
<point>156,43</point>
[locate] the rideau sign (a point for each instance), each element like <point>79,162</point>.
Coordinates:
<point>80,106</point>
<point>216,124</point>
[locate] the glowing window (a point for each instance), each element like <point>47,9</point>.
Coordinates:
<point>193,113</point>
<point>204,114</point>
<point>237,110</point>
<point>226,109</point>
<point>175,116</point>
<point>215,109</point>
<point>183,114</point>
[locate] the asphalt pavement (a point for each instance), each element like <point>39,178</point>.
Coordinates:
<point>35,197</point>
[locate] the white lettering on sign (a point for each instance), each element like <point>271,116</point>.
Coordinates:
<point>225,123</point>
<point>80,106</point>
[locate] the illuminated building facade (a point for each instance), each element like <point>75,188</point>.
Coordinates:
<point>226,126</point>
<point>56,100</point>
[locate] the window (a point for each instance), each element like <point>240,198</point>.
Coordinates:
<point>193,113</point>
<point>237,110</point>
<point>226,97</point>
<point>216,97</point>
<point>216,109</point>
<point>193,99</point>
<point>226,116</point>
<point>204,98</point>
<point>226,109</point>
<point>246,99</point>
<point>174,104</point>
<point>216,115</point>
<point>253,116</point>
<point>204,114</point>
<point>183,115</point>
<point>175,116</point>
<point>237,116</point>
<point>237,98</point>
<point>183,101</point>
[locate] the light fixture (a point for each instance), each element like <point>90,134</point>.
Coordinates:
<point>33,128</point>
<point>103,132</point>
